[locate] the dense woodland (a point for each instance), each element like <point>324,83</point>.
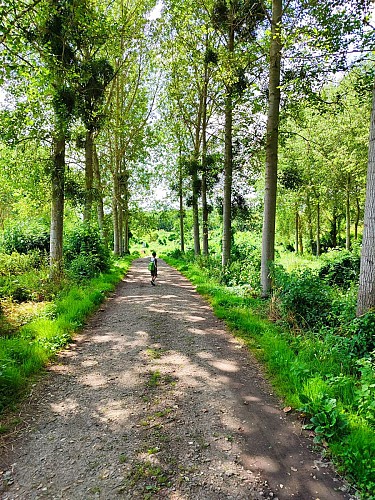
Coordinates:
<point>236,138</point>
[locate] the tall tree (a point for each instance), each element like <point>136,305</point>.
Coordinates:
<point>237,22</point>
<point>272,140</point>
<point>366,291</point>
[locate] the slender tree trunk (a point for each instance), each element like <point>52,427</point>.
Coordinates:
<point>269,217</point>
<point>126,212</point>
<point>57,206</point>
<point>347,210</point>
<point>204,157</point>
<point>89,174</point>
<point>300,235</point>
<point>115,216</point>
<point>228,162</point>
<point>318,230</point>
<point>197,245</point>
<point>309,223</point>
<point>366,291</point>
<point>228,173</point>
<point>296,225</point>
<point>120,212</point>
<point>99,200</point>
<point>357,216</point>
<point>334,228</point>
<point>180,195</point>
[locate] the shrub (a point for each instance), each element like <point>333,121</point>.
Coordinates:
<point>361,335</point>
<point>304,299</point>
<point>366,393</point>
<point>342,271</point>
<point>25,237</point>
<point>325,418</point>
<point>85,253</point>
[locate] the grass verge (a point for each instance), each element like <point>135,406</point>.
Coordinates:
<point>27,351</point>
<point>307,373</point>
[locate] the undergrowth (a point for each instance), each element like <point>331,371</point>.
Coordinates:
<point>319,362</point>
<point>25,352</point>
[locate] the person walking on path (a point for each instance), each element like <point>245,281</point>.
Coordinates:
<point>153,267</point>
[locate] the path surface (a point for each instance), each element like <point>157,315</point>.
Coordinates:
<point>156,400</point>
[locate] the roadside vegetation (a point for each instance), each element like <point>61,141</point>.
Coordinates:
<point>39,317</point>
<point>318,355</point>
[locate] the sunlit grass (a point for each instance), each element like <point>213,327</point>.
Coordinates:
<point>25,352</point>
<point>299,365</point>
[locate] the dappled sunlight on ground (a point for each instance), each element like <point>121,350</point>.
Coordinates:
<point>155,388</point>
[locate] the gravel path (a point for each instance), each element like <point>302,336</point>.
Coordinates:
<point>156,400</point>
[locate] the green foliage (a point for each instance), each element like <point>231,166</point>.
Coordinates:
<point>361,335</point>
<point>244,267</point>
<point>342,271</point>
<point>366,392</point>
<point>304,299</point>
<point>325,418</point>
<point>85,253</point>
<point>27,351</point>
<point>25,237</point>
<point>314,371</point>
<point>24,277</point>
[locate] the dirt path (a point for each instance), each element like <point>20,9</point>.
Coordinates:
<point>156,400</point>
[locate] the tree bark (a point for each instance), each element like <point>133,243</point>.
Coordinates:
<point>366,291</point>
<point>99,201</point>
<point>269,217</point>
<point>180,195</point>
<point>300,235</point>
<point>57,206</point>
<point>204,159</point>
<point>347,210</point>
<point>357,216</point>
<point>89,174</point>
<point>115,216</point>
<point>296,225</point>
<point>126,219</point>
<point>228,176</point>
<point>228,162</point>
<point>318,229</point>
<point>309,223</point>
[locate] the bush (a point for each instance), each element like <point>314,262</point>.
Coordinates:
<point>85,253</point>
<point>25,237</point>
<point>366,392</point>
<point>361,335</point>
<point>342,271</point>
<point>304,299</point>
<point>244,267</point>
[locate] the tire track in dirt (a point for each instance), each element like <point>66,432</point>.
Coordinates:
<point>156,400</point>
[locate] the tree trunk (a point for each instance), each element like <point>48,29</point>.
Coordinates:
<point>357,216</point>
<point>115,216</point>
<point>334,228</point>
<point>309,223</point>
<point>89,174</point>
<point>197,245</point>
<point>366,291</point>
<point>228,172</point>
<point>125,188</point>
<point>120,213</point>
<point>99,201</point>
<point>296,225</point>
<point>300,235</point>
<point>204,158</point>
<point>318,230</point>
<point>57,206</point>
<point>347,210</point>
<point>269,217</point>
<point>180,195</point>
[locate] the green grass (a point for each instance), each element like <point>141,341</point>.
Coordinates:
<point>25,353</point>
<point>302,367</point>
